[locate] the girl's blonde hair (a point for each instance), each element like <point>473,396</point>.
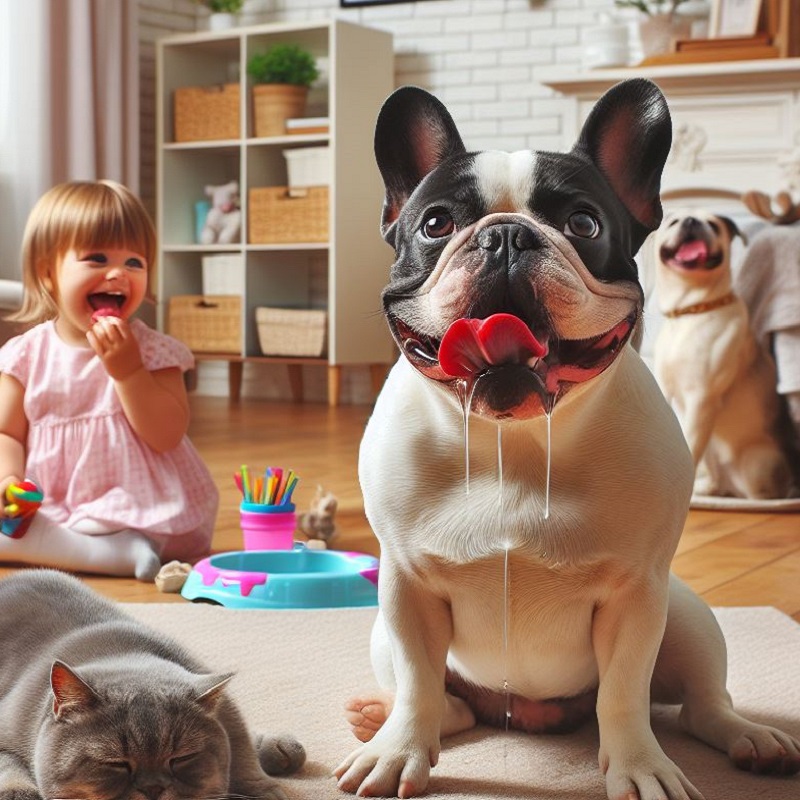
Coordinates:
<point>76,216</point>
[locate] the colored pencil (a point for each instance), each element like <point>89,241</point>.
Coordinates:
<point>273,488</point>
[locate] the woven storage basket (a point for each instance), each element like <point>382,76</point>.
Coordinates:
<point>273,216</point>
<point>291,332</point>
<point>203,113</point>
<point>207,324</point>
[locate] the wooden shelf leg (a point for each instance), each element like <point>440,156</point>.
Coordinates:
<point>190,379</point>
<point>296,381</point>
<point>377,377</point>
<point>235,369</point>
<point>334,384</point>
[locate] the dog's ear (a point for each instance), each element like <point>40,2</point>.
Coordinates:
<point>733,228</point>
<point>413,135</point>
<point>628,135</point>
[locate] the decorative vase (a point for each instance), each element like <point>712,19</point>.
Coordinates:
<point>659,31</point>
<point>273,104</point>
<point>221,21</point>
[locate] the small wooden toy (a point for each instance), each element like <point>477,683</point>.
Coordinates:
<point>23,501</point>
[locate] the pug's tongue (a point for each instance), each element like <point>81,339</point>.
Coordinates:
<point>471,346</point>
<point>690,252</point>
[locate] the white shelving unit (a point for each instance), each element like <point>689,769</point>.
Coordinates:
<point>344,275</point>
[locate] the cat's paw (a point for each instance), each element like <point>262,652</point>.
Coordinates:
<point>279,755</point>
<point>262,789</point>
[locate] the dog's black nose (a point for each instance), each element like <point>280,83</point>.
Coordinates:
<point>691,223</point>
<point>507,238</point>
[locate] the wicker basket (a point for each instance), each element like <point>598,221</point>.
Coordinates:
<point>204,113</point>
<point>207,324</point>
<point>291,332</point>
<point>275,217</point>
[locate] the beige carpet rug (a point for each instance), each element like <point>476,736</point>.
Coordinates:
<point>296,668</point>
<point>707,502</point>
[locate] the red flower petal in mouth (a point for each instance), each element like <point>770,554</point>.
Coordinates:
<point>471,346</point>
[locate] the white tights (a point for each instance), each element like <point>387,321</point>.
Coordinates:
<point>48,544</point>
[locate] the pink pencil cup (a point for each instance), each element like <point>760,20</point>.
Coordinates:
<point>267,527</point>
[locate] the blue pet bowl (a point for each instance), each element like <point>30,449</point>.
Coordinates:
<point>297,578</point>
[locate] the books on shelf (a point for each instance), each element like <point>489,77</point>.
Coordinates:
<point>300,125</point>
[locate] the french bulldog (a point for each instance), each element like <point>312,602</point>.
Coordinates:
<point>709,364</point>
<point>505,600</point>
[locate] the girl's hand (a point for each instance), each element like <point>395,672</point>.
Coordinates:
<point>113,341</point>
<point>4,484</point>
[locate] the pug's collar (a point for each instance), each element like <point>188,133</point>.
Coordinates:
<point>701,308</point>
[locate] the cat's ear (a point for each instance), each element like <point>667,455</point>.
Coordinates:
<point>70,692</point>
<point>211,688</point>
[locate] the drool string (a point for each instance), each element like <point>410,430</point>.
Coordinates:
<point>464,391</point>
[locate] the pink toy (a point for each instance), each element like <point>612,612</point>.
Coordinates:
<point>105,312</point>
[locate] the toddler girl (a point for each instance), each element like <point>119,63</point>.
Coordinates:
<point>92,403</point>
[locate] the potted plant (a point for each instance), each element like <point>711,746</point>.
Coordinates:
<point>282,76</point>
<point>661,23</point>
<point>223,13</point>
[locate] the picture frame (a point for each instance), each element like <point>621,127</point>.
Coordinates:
<point>358,3</point>
<point>734,18</point>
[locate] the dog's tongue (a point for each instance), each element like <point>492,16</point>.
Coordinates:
<point>470,346</point>
<point>689,252</point>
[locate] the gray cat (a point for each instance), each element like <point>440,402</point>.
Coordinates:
<point>94,705</point>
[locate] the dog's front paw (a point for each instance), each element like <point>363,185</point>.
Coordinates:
<point>395,763</point>
<point>647,775</point>
<point>766,751</point>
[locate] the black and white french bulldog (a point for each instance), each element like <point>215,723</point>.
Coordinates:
<point>508,598</point>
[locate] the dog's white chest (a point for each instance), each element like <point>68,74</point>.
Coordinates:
<point>414,474</point>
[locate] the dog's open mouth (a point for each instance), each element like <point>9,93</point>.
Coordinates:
<point>106,304</point>
<point>693,254</point>
<point>503,349</point>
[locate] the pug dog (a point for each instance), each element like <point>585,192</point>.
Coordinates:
<point>507,598</point>
<point>720,382</point>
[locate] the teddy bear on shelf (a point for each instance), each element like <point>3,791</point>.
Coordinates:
<point>224,218</point>
<point>318,523</point>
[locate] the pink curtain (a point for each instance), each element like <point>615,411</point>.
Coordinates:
<point>69,103</point>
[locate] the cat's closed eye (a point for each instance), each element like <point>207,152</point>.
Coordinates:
<point>118,765</point>
<point>182,761</point>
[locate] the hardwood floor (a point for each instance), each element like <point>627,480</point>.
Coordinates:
<point>731,559</point>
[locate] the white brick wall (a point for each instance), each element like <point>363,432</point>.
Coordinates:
<point>480,57</point>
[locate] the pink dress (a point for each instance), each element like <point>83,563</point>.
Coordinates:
<point>95,472</point>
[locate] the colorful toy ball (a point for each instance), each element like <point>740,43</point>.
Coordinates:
<point>23,501</point>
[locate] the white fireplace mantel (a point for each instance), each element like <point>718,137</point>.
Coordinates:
<point>731,76</point>
<point>736,125</point>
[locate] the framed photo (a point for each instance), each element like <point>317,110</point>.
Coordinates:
<point>356,3</point>
<point>734,18</point>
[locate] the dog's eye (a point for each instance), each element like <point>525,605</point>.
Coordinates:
<point>438,225</point>
<point>584,225</point>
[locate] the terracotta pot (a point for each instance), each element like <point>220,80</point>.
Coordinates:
<point>273,104</point>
